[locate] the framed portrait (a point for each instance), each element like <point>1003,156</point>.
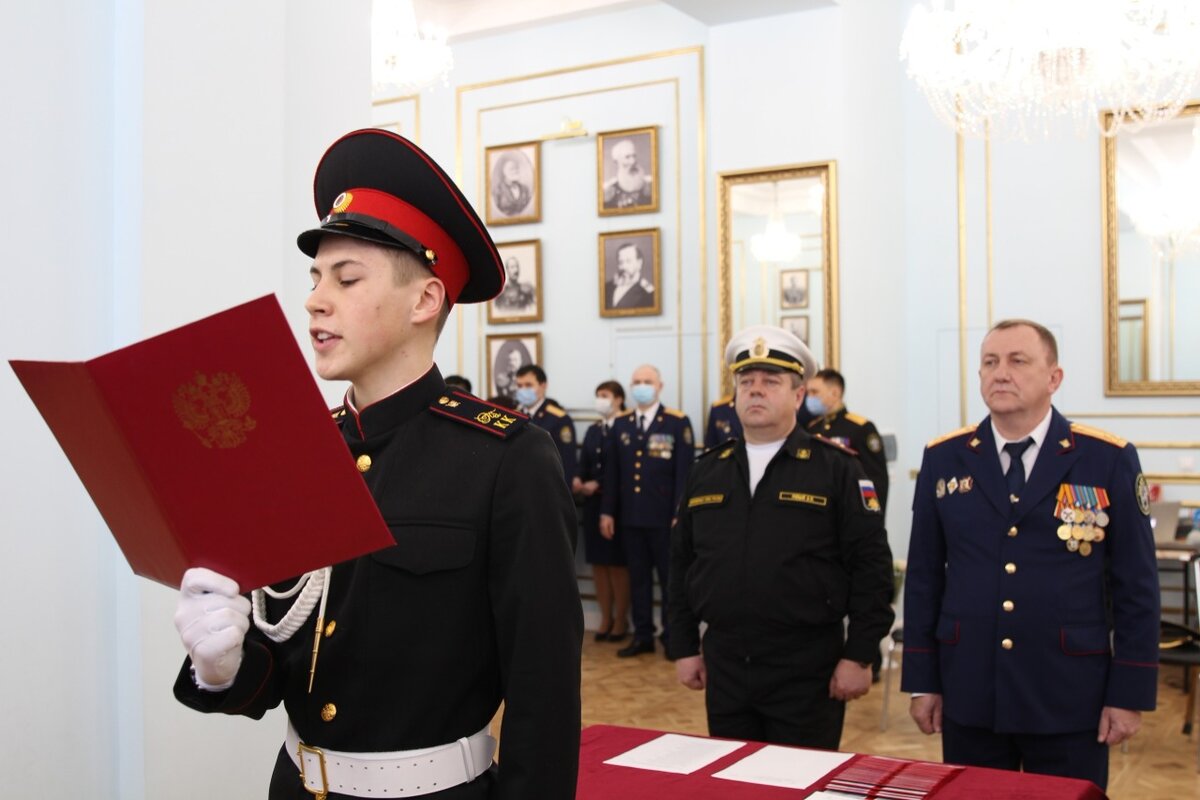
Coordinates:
<point>506,353</point>
<point>796,324</point>
<point>627,171</point>
<point>793,288</point>
<point>521,299</point>
<point>630,274</point>
<point>514,174</point>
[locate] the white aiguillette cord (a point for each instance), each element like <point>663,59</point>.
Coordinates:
<point>313,587</point>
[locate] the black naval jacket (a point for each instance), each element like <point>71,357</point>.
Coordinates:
<point>803,553</point>
<point>859,434</point>
<point>477,602</point>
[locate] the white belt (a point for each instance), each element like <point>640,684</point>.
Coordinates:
<point>402,773</point>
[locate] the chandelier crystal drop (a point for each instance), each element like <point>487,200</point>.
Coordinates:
<point>405,58</point>
<point>1011,68</point>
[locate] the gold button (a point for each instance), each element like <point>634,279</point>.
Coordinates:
<point>1010,568</point>
<point>330,627</point>
<point>638,453</point>
<point>328,712</point>
<point>637,464</point>
<point>637,488</point>
<point>637,477</point>
<point>1008,605</point>
<point>363,463</point>
<point>1006,644</point>
<point>1012,531</point>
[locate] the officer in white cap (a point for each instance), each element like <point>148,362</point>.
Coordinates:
<point>780,538</point>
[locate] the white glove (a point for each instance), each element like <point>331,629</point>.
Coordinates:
<point>212,620</point>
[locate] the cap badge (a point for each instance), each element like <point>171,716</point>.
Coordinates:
<point>759,350</point>
<point>341,203</point>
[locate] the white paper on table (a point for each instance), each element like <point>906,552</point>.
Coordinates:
<point>672,752</point>
<point>788,767</point>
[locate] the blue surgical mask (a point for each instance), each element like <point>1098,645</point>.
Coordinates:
<point>526,396</point>
<point>643,394</point>
<point>814,405</point>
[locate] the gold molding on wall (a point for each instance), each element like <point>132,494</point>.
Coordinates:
<point>1173,477</point>
<point>415,99</point>
<point>698,51</point>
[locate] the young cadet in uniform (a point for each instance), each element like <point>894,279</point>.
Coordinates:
<point>1031,605</point>
<point>651,449</point>
<point>833,421</point>
<point>547,415</point>
<point>477,602</point>
<point>780,538</point>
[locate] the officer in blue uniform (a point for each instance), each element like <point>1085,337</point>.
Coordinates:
<point>1031,605</point>
<point>723,423</point>
<point>651,451</point>
<point>548,415</point>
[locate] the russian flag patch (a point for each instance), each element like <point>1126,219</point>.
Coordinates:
<point>870,497</point>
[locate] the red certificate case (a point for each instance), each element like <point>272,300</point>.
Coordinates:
<point>210,446</point>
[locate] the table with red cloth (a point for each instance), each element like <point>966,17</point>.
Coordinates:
<point>600,781</point>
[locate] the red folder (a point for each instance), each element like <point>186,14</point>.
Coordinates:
<point>210,446</point>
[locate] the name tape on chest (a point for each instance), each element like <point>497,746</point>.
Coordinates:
<point>803,497</point>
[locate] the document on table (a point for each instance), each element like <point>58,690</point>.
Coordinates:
<point>674,753</point>
<point>788,767</point>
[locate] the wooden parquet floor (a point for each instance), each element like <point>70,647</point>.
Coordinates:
<point>1161,762</point>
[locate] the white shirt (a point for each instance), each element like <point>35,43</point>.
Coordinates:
<point>1031,453</point>
<point>647,416</point>
<point>758,456</point>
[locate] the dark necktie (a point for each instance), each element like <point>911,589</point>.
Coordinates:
<point>641,423</point>
<point>1016,467</point>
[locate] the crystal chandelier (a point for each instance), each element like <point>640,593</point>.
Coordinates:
<point>1011,67</point>
<point>776,244</point>
<point>404,58</point>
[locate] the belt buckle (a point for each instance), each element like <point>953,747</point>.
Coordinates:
<point>301,749</point>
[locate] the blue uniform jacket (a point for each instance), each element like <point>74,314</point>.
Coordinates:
<point>645,473</point>
<point>1018,633</point>
<point>723,423</point>
<point>551,418</point>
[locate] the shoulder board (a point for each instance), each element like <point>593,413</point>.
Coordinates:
<point>836,445</point>
<point>1096,433</point>
<point>337,413</point>
<point>479,414</point>
<point>856,419</point>
<point>555,411</point>
<point>723,450</point>
<point>945,437</point>
<point>726,400</point>
<point>625,413</point>
<point>674,412</point>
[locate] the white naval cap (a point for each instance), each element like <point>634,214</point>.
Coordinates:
<point>770,348</point>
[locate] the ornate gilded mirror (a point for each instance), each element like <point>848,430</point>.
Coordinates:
<point>1151,224</point>
<point>778,254</point>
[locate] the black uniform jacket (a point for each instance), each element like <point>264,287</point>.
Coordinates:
<point>859,434</point>
<point>807,550</point>
<point>476,603</point>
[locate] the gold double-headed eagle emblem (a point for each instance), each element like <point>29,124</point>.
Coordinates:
<point>214,407</point>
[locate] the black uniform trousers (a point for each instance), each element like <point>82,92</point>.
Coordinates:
<point>647,551</point>
<point>778,695</point>
<point>1067,755</point>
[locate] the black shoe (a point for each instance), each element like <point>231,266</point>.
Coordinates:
<point>604,635</point>
<point>617,637</point>
<point>636,648</point>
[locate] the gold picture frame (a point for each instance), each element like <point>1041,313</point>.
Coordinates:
<point>506,353</point>
<point>514,183</point>
<point>624,292</point>
<point>521,299</point>
<point>623,184</point>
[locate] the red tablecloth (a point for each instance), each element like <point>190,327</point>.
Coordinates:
<point>600,781</point>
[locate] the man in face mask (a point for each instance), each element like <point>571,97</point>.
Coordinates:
<point>833,421</point>
<point>652,449</point>
<point>548,415</point>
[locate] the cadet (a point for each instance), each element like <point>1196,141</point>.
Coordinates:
<point>1031,605</point>
<point>548,415</point>
<point>833,421</point>
<point>779,538</point>
<point>651,450</point>
<point>477,603</point>
<point>723,423</point>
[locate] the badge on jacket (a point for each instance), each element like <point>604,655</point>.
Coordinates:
<point>870,498</point>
